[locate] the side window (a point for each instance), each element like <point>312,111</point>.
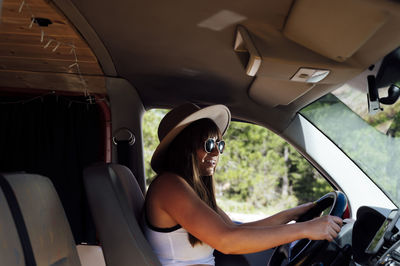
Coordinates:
<point>259,173</point>
<point>151,120</point>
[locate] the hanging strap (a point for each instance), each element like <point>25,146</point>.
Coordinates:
<point>19,221</point>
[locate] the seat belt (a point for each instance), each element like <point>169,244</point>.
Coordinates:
<point>18,220</point>
<point>124,139</point>
<point>123,152</point>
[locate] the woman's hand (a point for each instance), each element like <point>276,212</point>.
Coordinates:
<point>323,228</point>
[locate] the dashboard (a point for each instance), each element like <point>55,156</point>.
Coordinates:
<point>376,237</point>
<point>373,238</point>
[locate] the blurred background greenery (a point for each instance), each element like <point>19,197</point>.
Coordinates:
<point>259,173</point>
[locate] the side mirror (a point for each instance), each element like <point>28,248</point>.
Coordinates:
<point>388,76</point>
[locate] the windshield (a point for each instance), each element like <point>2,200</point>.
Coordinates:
<point>371,141</point>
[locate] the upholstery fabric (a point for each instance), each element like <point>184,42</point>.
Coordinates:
<point>116,202</point>
<point>48,229</point>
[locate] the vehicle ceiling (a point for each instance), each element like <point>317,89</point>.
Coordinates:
<point>168,53</point>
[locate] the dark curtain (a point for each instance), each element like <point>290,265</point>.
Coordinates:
<point>55,136</point>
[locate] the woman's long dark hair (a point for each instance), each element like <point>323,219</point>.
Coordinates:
<point>181,159</point>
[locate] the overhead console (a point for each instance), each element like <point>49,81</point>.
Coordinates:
<point>323,43</point>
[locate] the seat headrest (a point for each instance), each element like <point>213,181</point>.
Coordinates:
<point>116,202</point>
<point>45,220</point>
<point>130,186</point>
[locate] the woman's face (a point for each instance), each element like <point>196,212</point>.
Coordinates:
<point>207,161</point>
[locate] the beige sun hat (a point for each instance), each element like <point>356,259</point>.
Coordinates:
<point>179,118</point>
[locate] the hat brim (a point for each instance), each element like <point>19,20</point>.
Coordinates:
<point>219,113</point>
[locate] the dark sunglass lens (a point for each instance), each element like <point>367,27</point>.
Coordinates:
<point>221,146</point>
<point>209,145</point>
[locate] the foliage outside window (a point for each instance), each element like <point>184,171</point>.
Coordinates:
<point>371,141</point>
<point>258,172</point>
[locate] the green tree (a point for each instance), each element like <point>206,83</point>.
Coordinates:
<point>151,120</point>
<point>374,152</point>
<point>258,170</point>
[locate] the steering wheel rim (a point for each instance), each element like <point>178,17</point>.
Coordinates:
<point>297,252</point>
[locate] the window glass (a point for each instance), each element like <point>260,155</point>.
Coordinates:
<point>151,120</point>
<point>386,121</point>
<point>371,141</point>
<point>258,173</point>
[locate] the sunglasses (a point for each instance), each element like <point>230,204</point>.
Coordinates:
<point>210,144</point>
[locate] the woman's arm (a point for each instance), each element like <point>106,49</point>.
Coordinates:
<point>176,198</point>
<point>282,217</point>
<point>225,216</point>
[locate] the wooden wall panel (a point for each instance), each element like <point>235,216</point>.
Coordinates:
<point>62,53</point>
<point>34,38</point>
<point>51,81</point>
<point>48,65</point>
<point>25,63</point>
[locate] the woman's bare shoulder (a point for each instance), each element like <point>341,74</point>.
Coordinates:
<point>167,183</point>
<point>170,193</point>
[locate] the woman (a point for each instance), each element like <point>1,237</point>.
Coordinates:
<point>184,223</point>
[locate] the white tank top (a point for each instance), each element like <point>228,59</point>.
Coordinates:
<point>172,247</point>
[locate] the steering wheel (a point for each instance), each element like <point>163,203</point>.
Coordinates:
<point>299,251</point>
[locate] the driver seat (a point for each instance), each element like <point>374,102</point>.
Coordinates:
<point>116,203</point>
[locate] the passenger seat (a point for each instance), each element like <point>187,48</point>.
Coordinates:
<point>116,203</point>
<point>46,228</point>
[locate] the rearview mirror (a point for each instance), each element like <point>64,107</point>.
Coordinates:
<point>388,76</point>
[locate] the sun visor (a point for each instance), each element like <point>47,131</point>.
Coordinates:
<point>273,92</point>
<point>285,70</point>
<point>325,26</point>
<point>266,52</point>
<point>313,48</point>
